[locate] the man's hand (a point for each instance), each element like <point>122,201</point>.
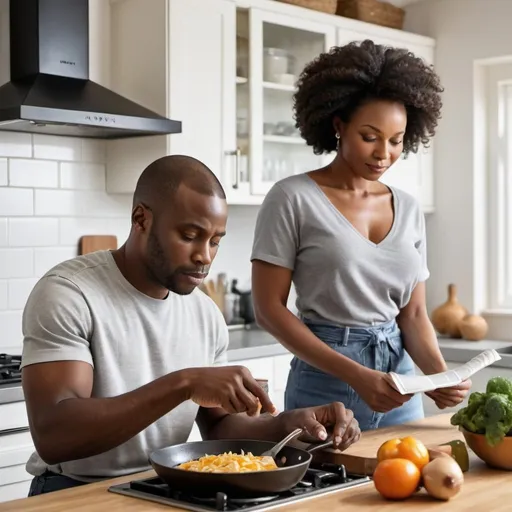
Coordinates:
<point>316,420</point>
<point>231,388</point>
<point>450,397</point>
<point>377,389</point>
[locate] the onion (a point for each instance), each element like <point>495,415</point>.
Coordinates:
<point>442,478</point>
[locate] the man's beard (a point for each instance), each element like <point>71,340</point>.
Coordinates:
<point>158,266</point>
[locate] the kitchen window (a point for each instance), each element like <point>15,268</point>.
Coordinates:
<point>500,187</point>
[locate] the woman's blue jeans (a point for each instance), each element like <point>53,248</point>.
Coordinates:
<point>378,347</point>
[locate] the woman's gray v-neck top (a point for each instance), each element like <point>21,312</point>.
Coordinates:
<point>340,276</point>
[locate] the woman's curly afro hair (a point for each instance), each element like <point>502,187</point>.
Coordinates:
<point>338,82</point>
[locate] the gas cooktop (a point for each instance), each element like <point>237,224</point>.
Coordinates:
<point>319,481</point>
<point>10,369</point>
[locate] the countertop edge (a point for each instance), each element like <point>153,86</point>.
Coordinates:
<point>275,349</point>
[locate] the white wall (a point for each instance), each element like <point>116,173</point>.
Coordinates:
<point>465,30</point>
<point>52,191</point>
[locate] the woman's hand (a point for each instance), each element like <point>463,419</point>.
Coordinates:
<point>378,391</point>
<point>450,397</point>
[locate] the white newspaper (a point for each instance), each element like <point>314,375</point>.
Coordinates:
<point>407,384</point>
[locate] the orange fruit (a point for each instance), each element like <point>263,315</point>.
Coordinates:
<point>396,479</point>
<point>408,448</point>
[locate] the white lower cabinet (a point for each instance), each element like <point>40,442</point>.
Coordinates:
<point>273,369</point>
<point>16,446</point>
<point>281,370</point>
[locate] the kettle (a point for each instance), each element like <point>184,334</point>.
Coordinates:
<point>245,305</point>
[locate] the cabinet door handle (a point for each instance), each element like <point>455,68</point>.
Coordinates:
<point>17,430</point>
<point>238,154</point>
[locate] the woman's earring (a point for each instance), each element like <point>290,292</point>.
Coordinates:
<point>337,141</point>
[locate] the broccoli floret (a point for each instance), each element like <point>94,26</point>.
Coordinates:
<point>470,417</point>
<point>458,417</point>
<point>500,385</point>
<point>498,413</point>
<point>475,400</point>
<point>488,413</point>
<point>476,423</point>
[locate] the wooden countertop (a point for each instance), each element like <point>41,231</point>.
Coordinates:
<point>484,488</point>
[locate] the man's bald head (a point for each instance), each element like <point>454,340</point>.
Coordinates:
<point>160,181</point>
<point>179,217</point>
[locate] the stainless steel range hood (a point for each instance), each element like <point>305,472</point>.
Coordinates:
<point>50,91</point>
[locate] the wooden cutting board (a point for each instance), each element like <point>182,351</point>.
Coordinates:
<point>93,243</point>
<point>361,465</point>
<point>361,456</point>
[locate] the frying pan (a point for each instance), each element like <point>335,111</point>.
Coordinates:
<point>292,466</point>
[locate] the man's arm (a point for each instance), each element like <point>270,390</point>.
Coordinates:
<point>215,423</point>
<point>67,424</point>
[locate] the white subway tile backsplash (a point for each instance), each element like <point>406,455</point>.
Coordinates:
<point>19,290</point>
<point>72,228</point>
<point>94,150</point>
<point>4,241</point>
<point>33,232</point>
<point>81,176</point>
<point>3,172</point>
<point>16,263</point>
<point>52,192</point>
<point>16,144</point>
<point>4,301</point>
<point>52,147</point>
<point>33,173</point>
<point>45,259</point>
<point>81,203</point>
<point>10,327</point>
<point>120,228</point>
<point>16,201</point>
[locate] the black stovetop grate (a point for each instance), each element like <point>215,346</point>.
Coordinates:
<point>10,371</point>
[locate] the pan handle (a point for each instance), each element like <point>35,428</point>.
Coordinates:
<point>315,446</point>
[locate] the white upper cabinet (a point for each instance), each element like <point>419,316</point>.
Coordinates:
<point>227,69</point>
<point>178,58</point>
<point>201,78</point>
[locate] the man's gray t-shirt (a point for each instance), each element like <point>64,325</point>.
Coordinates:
<point>341,277</point>
<point>85,310</point>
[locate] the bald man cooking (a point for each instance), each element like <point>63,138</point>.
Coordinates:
<point>122,352</point>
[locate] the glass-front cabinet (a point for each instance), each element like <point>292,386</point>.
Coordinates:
<point>228,70</point>
<point>271,51</point>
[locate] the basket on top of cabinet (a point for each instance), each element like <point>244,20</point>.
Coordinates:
<point>372,11</point>
<point>328,6</point>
